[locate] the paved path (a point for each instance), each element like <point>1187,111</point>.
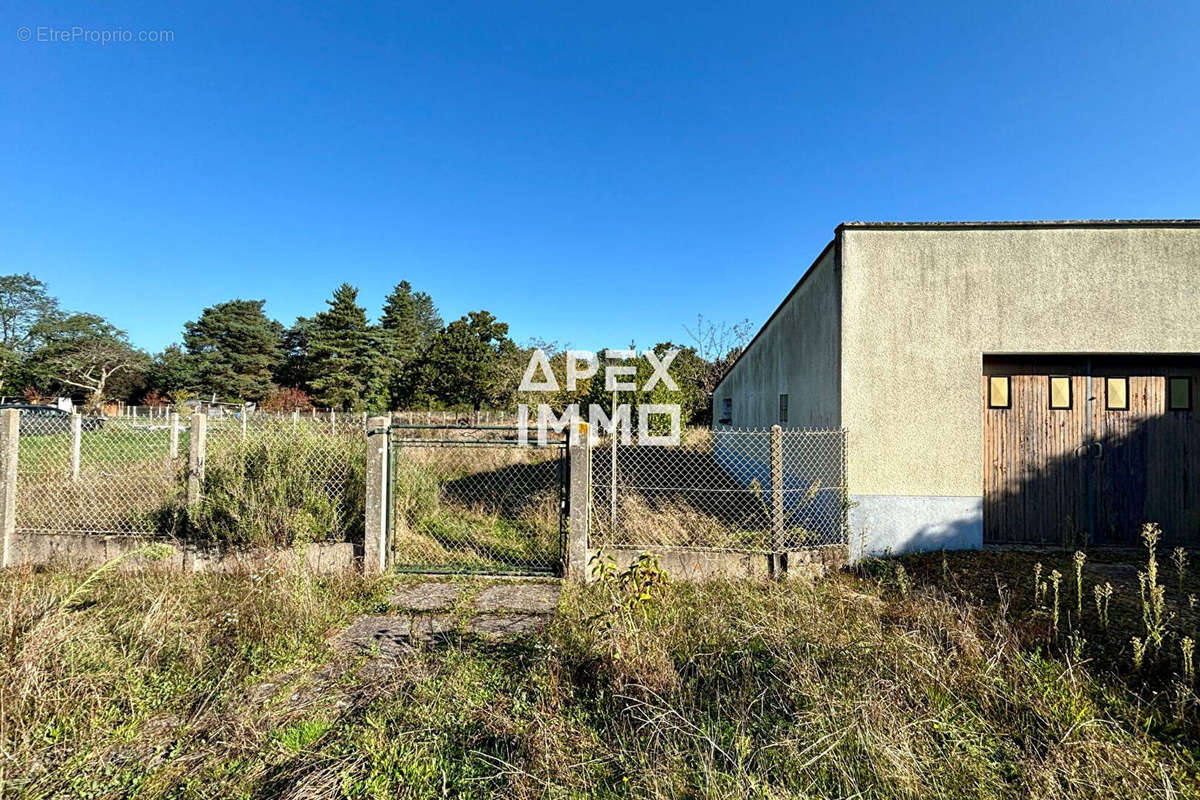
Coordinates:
<point>444,610</point>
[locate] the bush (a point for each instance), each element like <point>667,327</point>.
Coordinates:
<point>282,487</point>
<point>285,399</point>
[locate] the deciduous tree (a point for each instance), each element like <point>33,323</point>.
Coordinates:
<point>86,352</point>
<point>25,307</point>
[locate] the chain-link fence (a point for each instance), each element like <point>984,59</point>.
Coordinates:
<point>265,481</point>
<point>281,480</point>
<point>97,474</point>
<point>748,490</point>
<point>476,500</point>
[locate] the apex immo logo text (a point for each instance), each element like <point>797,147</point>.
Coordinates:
<point>620,375</point>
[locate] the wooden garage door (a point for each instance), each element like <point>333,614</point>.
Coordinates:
<point>1089,473</point>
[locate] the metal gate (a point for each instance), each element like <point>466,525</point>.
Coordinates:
<point>475,500</point>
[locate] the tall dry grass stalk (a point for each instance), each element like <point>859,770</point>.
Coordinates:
<point>811,690</point>
<point>102,673</point>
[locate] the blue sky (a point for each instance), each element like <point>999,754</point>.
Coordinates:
<point>590,174</point>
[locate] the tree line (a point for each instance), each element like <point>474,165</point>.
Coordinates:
<point>339,358</point>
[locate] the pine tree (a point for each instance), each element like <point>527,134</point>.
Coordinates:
<point>339,353</point>
<point>171,371</point>
<point>409,324</point>
<point>464,365</point>
<point>296,368</point>
<point>236,348</point>
<point>411,319</point>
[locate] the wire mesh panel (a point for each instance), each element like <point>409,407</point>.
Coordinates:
<point>276,481</point>
<point>717,490</point>
<point>120,478</point>
<point>267,481</point>
<point>476,500</point>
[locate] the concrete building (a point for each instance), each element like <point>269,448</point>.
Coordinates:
<point>998,381</point>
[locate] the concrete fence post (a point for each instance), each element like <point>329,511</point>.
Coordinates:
<point>173,425</point>
<point>295,418</point>
<point>243,424</point>
<point>375,544</point>
<point>332,421</point>
<point>196,448</point>
<point>76,442</point>
<point>10,439</point>
<point>777,540</point>
<point>579,498</point>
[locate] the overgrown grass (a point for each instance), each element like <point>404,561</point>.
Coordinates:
<point>279,488</point>
<point>111,691</point>
<point>1104,616</point>
<point>192,686</point>
<point>489,508</point>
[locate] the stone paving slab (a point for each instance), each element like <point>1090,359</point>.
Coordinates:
<point>394,634</point>
<point>521,598</point>
<point>398,634</point>
<point>499,626</point>
<point>428,596</point>
<point>501,611</point>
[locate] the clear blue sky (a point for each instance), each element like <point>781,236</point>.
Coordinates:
<point>590,174</point>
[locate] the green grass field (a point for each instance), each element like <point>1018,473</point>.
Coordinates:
<point>111,445</point>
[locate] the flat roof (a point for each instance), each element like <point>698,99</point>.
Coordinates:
<point>965,225</point>
<point>1034,223</point>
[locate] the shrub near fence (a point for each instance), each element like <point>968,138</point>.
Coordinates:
<point>266,481</point>
<point>283,482</point>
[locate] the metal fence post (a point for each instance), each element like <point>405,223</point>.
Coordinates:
<point>173,423</point>
<point>579,505</point>
<point>777,542</point>
<point>375,549</point>
<point>76,439</point>
<point>10,438</point>
<point>196,448</point>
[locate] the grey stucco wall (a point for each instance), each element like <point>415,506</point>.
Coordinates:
<point>797,354</point>
<point>920,308</point>
<point>896,524</point>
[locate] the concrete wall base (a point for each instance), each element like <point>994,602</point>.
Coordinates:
<point>89,550</point>
<point>696,565</point>
<point>882,525</point>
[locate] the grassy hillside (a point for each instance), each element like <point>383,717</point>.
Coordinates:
<point>888,684</point>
